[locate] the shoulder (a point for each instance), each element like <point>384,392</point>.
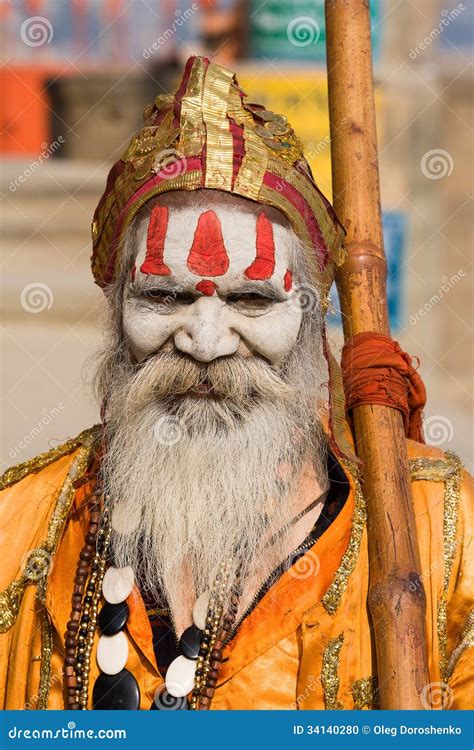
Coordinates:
<point>442,489</point>
<point>39,464</point>
<point>35,499</point>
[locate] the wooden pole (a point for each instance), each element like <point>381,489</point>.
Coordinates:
<point>396,595</point>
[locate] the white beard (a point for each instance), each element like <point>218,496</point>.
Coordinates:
<point>193,483</point>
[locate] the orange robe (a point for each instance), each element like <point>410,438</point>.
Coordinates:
<point>307,644</point>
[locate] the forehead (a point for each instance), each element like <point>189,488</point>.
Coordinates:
<point>211,236</point>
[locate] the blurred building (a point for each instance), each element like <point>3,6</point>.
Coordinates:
<point>77,77</point>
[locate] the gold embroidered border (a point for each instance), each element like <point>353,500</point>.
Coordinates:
<point>466,641</point>
<point>46,648</point>
<point>253,167</point>
<point>192,128</point>
<point>452,494</point>
<point>365,693</point>
<point>332,597</point>
<point>431,469</point>
<point>15,473</point>
<point>332,234</point>
<point>219,144</point>
<point>330,673</point>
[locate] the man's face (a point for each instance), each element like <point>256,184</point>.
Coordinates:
<point>211,281</point>
<point>207,437</point>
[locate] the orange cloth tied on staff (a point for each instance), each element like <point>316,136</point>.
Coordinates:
<point>376,371</point>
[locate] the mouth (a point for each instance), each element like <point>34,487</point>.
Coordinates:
<point>203,390</point>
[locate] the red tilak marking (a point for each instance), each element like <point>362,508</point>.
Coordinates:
<point>155,243</point>
<point>206,287</point>
<point>208,256</point>
<point>264,263</point>
<point>288,280</point>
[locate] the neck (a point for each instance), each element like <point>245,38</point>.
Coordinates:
<point>308,487</point>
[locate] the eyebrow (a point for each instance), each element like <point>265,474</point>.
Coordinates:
<point>163,283</point>
<point>265,288</point>
<point>144,283</point>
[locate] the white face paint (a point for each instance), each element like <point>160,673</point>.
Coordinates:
<point>211,282</point>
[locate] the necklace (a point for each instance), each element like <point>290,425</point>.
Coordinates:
<point>194,671</point>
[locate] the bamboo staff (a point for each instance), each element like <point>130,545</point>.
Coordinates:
<point>396,596</point>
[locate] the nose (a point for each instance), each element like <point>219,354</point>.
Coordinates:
<point>205,334</point>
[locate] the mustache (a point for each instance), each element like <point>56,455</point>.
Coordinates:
<point>236,378</point>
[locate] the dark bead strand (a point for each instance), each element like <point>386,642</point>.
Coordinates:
<point>206,692</point>
<point>73,638</point>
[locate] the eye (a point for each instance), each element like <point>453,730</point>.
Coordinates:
<point>167,297</point>
<point>250,301</point>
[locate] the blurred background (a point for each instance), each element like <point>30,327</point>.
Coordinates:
<point>76,78</point>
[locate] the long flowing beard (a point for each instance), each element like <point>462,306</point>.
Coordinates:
<point>197,482</point>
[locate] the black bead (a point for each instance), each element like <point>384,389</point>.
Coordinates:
<point>112,618</point>
<point>116,692</point>
<point>163,701</point>
<point>190,642</point>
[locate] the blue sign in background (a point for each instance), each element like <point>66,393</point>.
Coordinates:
<point>236,730</point>
<point>395,225</point>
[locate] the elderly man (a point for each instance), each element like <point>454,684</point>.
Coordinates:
<point>205,547</point>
